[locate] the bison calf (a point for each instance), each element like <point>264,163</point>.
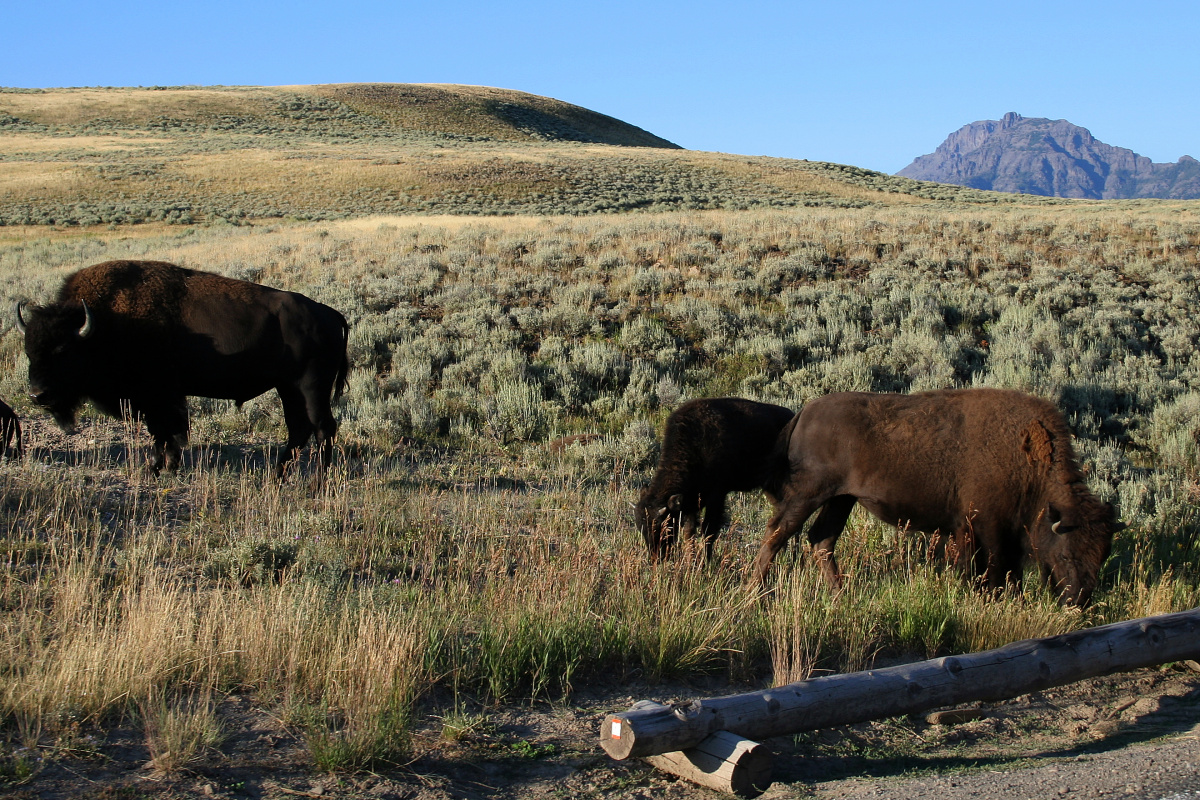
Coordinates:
<point>710,447</point>
<point>10,430</point>
<point>992,470</point>
<point>141,336</point>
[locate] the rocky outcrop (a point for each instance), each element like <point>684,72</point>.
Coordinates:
<point>1053,158</point>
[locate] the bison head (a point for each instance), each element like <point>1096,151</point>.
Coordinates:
<point>658,520</point>
<point>56,343</point>
<point>1075,546</point>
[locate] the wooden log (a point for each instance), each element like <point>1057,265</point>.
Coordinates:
<point>1006,672</point>
<point>724,761</point>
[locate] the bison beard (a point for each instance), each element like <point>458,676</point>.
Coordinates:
<point>992,471</point>
<point>139,337</point>
<point>711,447</point>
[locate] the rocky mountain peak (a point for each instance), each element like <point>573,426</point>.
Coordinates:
<point>1048,157</point>
<point>1010,119</point>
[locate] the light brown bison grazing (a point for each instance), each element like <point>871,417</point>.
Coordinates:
<point>992,470</point>
<point>10,430</point>
<point>710,447</point>
<point>143,336</point>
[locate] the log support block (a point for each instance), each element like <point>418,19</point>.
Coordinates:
<point>724,761</point>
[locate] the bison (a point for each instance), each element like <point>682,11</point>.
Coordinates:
<point>710,447</point>
<point>991,470</point>
<point>139,337</point>
<point>10,430</point>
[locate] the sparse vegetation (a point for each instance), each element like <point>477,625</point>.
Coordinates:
<point>180,734</point>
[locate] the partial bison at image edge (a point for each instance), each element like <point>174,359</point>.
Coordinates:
<point>711,447</point>
<point>992,470</point>
<point>146,335</point>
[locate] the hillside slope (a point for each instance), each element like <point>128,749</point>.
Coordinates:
<point>485,111</point>
<point>1052,158</point>
<point>88,156</point>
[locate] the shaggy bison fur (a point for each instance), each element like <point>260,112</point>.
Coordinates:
<point>710,447</point>
<point>992,471</point>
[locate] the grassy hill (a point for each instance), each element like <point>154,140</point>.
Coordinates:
<point>88,156</point>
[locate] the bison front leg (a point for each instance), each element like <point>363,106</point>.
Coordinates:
<point>986,553</point>
<point>167,422</point>
<point>1003,569</point>
<point>714,518</point>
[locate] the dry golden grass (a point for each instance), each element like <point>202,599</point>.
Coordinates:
<point>360,150</point>
<point>17,144</point>
<point>45,179</point>
<point>134,106</point>
<point>801,179</point>
<point>180,733</point>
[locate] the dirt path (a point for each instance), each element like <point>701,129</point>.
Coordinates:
<point>1169,769</point>
<point>1135,735</point>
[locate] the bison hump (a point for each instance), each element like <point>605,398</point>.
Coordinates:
<point>1038,445</point>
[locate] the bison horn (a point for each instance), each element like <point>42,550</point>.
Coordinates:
<point>20,320</point>
<point>86,330</point>
<point>1054,527</point>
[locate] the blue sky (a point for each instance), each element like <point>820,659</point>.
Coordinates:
<point>873,84</point>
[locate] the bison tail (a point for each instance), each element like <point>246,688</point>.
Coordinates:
<point>778,463</point>
<point>339,383</point>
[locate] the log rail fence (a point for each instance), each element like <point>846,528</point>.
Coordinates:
<point>711,741</point>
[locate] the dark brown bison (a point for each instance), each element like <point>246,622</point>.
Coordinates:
<point>710,447</point>
<point>991,470</point>
<point>10,430</point>
<point>142,336</point>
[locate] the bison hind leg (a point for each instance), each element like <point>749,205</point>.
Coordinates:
<point>823,535</point>
<point>308,414</point>
<point>300,428</point>
<point>10,433</point>
<point>787,521</point>
<point>324,429</point>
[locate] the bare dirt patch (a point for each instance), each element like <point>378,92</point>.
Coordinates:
<point>1132,735</point>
